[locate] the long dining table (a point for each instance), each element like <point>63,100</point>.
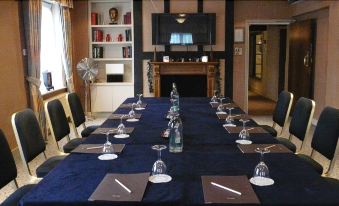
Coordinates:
<point>208,150</point>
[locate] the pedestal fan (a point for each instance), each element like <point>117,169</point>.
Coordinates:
<point>87,70</point>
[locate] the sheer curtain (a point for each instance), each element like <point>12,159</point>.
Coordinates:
<point>62,17</point>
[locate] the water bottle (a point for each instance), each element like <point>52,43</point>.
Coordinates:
<point>175,98</point>
<point>175,135</point>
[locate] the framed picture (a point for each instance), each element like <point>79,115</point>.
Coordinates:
<point>239,35</point>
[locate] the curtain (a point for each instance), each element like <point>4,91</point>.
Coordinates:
<point>63,33</point>
<point>32,10</point>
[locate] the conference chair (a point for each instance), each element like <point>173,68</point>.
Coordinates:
<point>281,113</point>
<point>325,139</point>
<point>58,124</point>
<point>78,116</point>
<point>8,173</point>
<point>31,142</point>
<point>300,123</point>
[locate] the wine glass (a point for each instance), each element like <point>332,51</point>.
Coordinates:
<point>229,118</point>
<point>261,174</point>
<point>131,114</point>
<point>108,147</point>
<point>121,126</point>
<point>214,98</point>
<point>139,102</point>
<point>244,135</point>
<point>159,169</point>
<point>220,108</point>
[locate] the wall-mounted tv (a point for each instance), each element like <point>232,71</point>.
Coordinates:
<point>183,29</point>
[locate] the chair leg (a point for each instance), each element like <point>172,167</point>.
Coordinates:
<point>16,184</point>
<point>290,137</point>
<point>29,170</point>
<point>45,155</point>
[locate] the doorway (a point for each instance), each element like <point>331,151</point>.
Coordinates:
<point>266,67</point>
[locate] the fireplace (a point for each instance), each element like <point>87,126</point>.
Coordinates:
<point>188,85</point>
<point>193,78</point>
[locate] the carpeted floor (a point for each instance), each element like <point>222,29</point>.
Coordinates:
<point>259,105</point>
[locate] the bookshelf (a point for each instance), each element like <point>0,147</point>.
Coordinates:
<point>111,44</point>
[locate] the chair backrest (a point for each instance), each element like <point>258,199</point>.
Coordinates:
<point>28,134</point>
<point>283,108</point>
<point>7,165</point>
<point>57,119</point>
<point>302,118</point>
<point>326,134</point>
<point>78,114</point>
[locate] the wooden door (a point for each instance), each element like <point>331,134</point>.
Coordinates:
<point>301,59</point>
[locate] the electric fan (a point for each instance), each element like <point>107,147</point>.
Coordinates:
<point>87,70</point>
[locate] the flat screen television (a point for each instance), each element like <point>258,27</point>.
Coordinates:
<point>183,29</point>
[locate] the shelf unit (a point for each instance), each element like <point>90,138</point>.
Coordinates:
<point>107,96</point>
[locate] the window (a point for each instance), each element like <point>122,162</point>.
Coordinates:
<point>50,57</point>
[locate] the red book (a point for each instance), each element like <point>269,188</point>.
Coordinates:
<point>94,18</point>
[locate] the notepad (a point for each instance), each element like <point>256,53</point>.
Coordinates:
<point>129,105</point>
<point>250,129</point>
<point>273,148</point>
<point>112,130</point>
<point>96,148</point>
<point>226,105</point>
<point>235,116</point>
<point>111,190</point>
<point>118,116</point>
<point>214,194</point>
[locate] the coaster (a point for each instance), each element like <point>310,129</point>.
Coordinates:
<point>240,141</point>
<point>229,125</point>
<point>160,178</point>
<point>121,136</point>
<point>108,157</point>
<point>132,120</point>
<point>262,181</point>
<point>139,108</point>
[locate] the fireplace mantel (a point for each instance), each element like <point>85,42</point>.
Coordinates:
<point>184,68</point>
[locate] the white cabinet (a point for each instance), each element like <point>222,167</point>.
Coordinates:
<point>106,97</point>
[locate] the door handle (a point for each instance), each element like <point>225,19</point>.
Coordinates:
<point>307,59</point>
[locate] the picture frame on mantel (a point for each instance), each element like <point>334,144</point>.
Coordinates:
<point>239,36</point>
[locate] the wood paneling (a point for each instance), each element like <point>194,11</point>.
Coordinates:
<point>13,93</point>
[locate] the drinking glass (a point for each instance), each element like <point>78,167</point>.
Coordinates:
<point>131,114</point>
<point>229,118</point>
<point>108,147</point>
<point>215,97</point>
<point>159,169</point>
<point>244,135</point>
<point>261,174</point>
<point>121,126</point>
<point>139,102</point>
<point>220,108</point>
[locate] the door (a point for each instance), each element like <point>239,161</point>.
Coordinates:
<point>301,59</point>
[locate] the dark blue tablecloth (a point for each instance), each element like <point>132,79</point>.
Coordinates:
<point>208,150</point>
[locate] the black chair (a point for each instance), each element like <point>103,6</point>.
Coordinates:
<point>281,113</point>
<point>325,138</point>
<point>78,116</point>
<point>31,142</point>
<point>57,120</point>
<point>300,123</point>
<point>8,173</point>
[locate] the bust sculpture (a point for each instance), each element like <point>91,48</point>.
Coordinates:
<point>113,15</point>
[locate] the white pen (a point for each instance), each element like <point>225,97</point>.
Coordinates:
<point>123,186</point>
<point>226,188</point>
<point>269,147</point>
<point>250,129</point>
<point>98,147</point>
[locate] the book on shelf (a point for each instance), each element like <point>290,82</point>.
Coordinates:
<point>127,18</point>
<point>98,52</point>
<point>128,35</point>
<point>127,52</point>
<point>95,18</point>
<point>98,36</point>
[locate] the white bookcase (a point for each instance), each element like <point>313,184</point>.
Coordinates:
<point>107,96</point>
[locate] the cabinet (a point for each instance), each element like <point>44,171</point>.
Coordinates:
<point>111,44</point>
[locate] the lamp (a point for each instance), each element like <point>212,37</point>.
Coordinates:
<point>181,18</point>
